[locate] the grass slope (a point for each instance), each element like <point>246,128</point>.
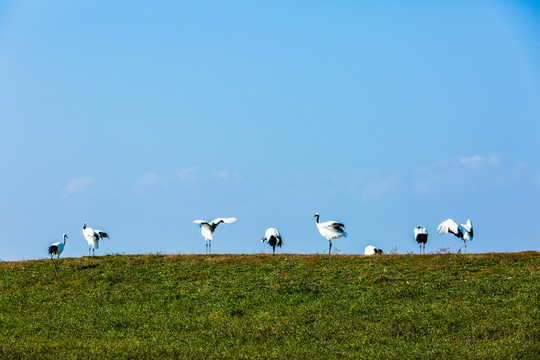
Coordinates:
<point>283,306</point>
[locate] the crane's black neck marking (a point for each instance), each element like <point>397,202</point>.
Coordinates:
<point>317,216</point>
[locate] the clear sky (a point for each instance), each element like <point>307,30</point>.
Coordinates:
<point>140,117</point>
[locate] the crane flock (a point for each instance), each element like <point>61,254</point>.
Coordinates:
<point>330,230</point>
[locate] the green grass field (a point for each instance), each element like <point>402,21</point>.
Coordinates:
<point>262,306</point>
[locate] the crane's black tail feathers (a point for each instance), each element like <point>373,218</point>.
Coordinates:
<point>53,249</point>
<point>275,241</point>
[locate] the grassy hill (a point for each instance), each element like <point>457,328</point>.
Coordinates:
<point>283,306</point>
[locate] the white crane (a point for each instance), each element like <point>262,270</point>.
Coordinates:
<point>273,237</point>
<point>56,249</point>
<point>463,231</point>
<point>421,235</point>
<point>372,250</point>
<point>207,229</point>
<point>92,237</point>
<point>330,230</point>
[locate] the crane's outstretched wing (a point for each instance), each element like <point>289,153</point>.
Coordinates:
<point>102,234</point>
<point>335,226</point>
<point>200,222</point>
<point>448,226</point>
<point>218,221</point>
<point>468,226</point>
<point>467,230</point>
<point>339,227</point>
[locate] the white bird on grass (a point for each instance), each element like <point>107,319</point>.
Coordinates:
<point>56,249</point>
<point>207,229</point>
<point>330,230</point>
<point>92,237</point>
<point>421,235</point>
<point>463,231</point>
<point>273,237</point>
<point>372,250</point>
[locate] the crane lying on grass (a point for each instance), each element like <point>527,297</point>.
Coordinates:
<point>372,250</point>
<point>207,229</point>
<point>421,235</point>
<point>330,230</point>
<point>56,249</point>
<point>273,237</point>
<point>92,237</point>
<point>463,231</point>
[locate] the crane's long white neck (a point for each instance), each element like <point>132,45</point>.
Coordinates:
<point>65,237</point>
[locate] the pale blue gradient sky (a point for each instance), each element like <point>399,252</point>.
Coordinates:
<point>382,115</point>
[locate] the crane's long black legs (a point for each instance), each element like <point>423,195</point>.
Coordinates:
<point>330,248</point>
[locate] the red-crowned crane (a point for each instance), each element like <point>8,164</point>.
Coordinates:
<point>463,231</point>
<point>330,230</point>
<point>372,250</point>
<point>92,237</point>
<point>421,235</point>
<point>56,249</point>
<point>273,237</point>
<point>207,229</point>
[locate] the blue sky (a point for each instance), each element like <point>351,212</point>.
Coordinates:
<point>140,119</point>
